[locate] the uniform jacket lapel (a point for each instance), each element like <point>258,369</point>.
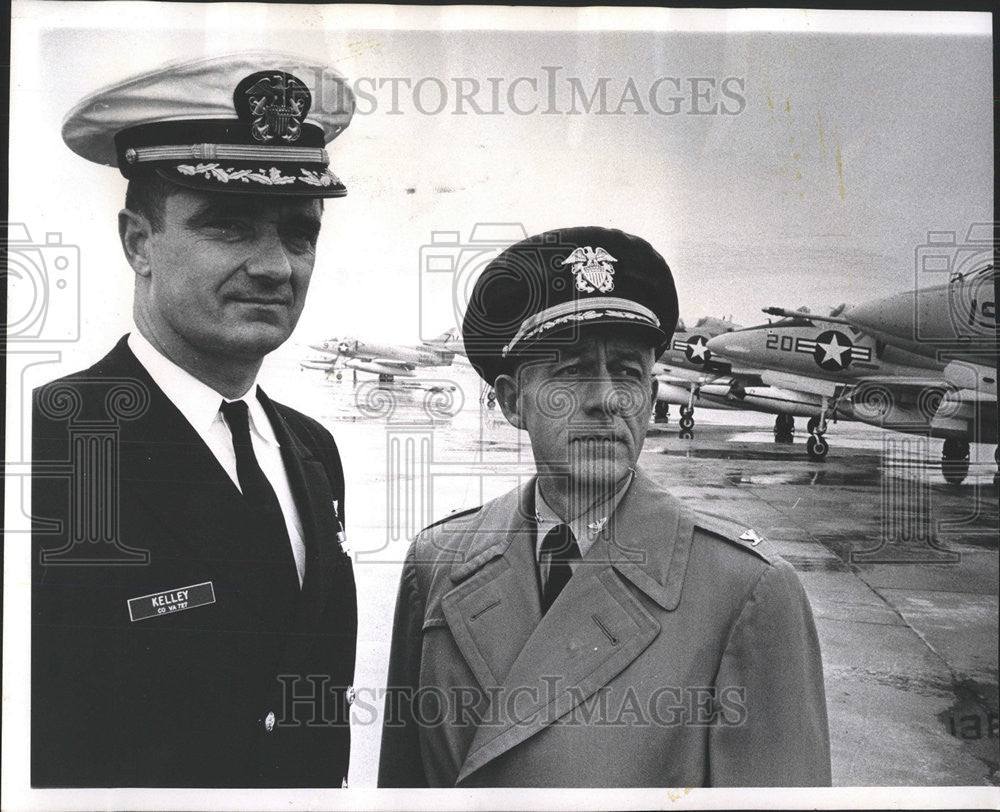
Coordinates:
<point>167,464</point>
<point>601,622</point>
<point>314,499</point>
<point>495,607</point>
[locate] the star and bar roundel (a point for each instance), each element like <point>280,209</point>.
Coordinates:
<point>832,350</point>
<point>695,349</point>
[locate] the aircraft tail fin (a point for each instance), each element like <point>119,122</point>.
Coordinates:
<point>449,336</point>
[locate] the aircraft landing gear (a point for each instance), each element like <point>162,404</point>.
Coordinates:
<point>687,419</point>
<point>784,428</point>
<point>955,461</point>
<point>817,447</point>
<point>661,412</point>
<point>687,415</point>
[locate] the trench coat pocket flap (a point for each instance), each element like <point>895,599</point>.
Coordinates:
<point>582,644</point>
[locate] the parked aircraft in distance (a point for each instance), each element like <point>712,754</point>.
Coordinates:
<point>386,360</point>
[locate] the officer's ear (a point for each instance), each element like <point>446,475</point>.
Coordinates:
<point>506,389</point>
<point>134,230</point>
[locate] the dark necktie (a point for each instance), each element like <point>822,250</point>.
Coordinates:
<point>561,547</point>
<point>276,549</point>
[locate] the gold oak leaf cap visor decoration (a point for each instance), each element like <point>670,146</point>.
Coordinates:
<point>538,294</point>
<point>251,123</point>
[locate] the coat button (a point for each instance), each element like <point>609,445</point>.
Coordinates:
<point>351,694</point>
<point>269,722</point>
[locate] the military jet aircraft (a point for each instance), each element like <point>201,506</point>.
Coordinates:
<point>954,324</point>
<point>386,360</point>
<point>686,365</point>
<point>885,384</point>
<point>690,375</point>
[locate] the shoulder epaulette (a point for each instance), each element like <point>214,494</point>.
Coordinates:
<point>455,514</point>
<point>738,534</point>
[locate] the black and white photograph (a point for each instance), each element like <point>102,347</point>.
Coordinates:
<point>449,407</point>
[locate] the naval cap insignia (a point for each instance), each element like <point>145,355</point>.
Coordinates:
<point>752,536</point>
<point>274,103</point>
<point>592,267</point>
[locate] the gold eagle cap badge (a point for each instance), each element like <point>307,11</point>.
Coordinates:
<point>592,268</point>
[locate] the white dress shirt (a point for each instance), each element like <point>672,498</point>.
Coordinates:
<point>200,405</point>
<point>585,528</point>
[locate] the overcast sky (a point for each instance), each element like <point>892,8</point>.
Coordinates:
<point>823,159</point>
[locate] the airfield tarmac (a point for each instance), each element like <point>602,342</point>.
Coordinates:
<point>901,568</point>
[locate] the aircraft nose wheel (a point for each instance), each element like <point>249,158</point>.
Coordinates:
<point>687,423</point>
<point>817,447</point>
<point>813,426</point>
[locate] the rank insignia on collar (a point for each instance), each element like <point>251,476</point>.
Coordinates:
<point>592,267</point>
<point>598,526</point>
<point>342,541</point>
<point>274,103</point>
<point>752,536</point>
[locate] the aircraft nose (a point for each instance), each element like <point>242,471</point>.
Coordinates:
<point>891,314</point>
<point>729,345</point>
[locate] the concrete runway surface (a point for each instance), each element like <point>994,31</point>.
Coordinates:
<point>901,568</point>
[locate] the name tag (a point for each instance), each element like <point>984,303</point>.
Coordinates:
<point>171,600</point>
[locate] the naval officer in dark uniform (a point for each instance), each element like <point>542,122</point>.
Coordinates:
<point>588,629</point>
<point>194,613</point>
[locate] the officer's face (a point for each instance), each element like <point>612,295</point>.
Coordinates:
<point>227,275</point>
<point>587,411</point>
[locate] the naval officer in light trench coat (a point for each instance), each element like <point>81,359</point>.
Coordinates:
<point>586,628</point>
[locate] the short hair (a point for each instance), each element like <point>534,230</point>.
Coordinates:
<point>147,195</point>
